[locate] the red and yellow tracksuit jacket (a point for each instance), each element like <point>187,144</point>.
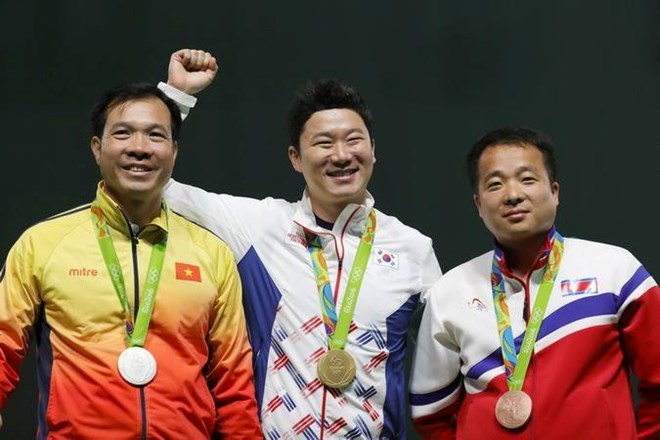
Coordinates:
<point>56,281</point>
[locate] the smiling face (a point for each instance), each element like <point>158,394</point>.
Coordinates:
<point>336,158</point>
<point>515,197</point>
<point>136,152</point>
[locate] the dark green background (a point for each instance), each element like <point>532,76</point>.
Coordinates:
<point>437,74</point>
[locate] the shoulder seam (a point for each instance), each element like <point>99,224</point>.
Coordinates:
<point>197,224</point>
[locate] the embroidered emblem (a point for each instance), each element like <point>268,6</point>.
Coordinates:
<point>188,272</point>
<point>297,238</point>
<point>83,272</point>
<point>477,304</point>
<point>579,287</point>
<point>385,258</point>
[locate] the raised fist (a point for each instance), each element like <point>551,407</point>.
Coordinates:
<point>191,70</point>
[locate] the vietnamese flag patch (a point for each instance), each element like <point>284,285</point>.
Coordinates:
<point>188,272</point>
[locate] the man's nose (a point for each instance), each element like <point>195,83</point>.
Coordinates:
<point>342,152</point>
<point>140,146</point>
<point>513,195</point>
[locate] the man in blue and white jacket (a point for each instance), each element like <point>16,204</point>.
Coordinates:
<point>331,145</point>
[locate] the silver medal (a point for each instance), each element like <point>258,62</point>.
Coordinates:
<point>137,366</point>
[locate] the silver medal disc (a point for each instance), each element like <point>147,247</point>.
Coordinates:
<point>137,366</point>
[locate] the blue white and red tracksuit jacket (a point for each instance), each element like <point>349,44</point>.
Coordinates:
<point>284,314</point>
<point>603,318</point>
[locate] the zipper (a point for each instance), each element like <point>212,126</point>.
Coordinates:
<point>340,263</point>
<point>532,363</point>
<point>136,288</point>
<point>337,280</point>
<point>526,314</point>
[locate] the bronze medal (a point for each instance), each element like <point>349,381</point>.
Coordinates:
<point>336,369</point>
<point>513,409</point>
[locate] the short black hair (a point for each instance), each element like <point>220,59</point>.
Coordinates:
<point>131,92</point>
<point>324,94</point>
<point>523,136</point>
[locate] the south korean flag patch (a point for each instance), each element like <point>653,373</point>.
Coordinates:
<point>384,258</point>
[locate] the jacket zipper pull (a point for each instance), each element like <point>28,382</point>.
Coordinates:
<point>135,229</point>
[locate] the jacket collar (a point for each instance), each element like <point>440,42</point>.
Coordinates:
<point>351,220</point>
<point>541,259</point>
<point>117,220</point>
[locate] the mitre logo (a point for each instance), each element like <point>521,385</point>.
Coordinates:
<point>83,272</point>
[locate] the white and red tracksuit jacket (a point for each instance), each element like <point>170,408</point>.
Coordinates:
<point>602,319</point>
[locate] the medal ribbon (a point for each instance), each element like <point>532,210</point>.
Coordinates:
<point>137,332</point>
<point>516,365</point>
<point>337,327</point>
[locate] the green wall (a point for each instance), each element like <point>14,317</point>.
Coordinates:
<point>437,74</point>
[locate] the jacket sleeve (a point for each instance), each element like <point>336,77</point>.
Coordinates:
<point>640,330</point>
<point>236,220</point>
<point>436,386</point>
<point>19,303</point>
<point>184,101</point>
<point>230,374</point>
<point>431,271</point>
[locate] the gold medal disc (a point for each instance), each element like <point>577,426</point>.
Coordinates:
<point>336,369</point>
<point>513,409</point>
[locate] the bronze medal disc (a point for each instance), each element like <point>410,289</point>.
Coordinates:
<point>513,409</point>
<point>336,369</point>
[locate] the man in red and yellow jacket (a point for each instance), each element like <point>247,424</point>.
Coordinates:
<point>137,312</point>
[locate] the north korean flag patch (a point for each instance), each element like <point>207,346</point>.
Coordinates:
<point>579,287</point>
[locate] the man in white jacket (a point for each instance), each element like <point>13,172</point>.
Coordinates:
<point>536,338</point>
<point>330,283</point>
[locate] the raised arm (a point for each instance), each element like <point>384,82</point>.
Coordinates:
<point>191,71</point>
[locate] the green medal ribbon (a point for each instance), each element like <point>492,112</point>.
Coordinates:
<point>516,365</point>
<point>137,333</point>
<point>337,327</point>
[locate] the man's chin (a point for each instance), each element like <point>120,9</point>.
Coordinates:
<point>347,198</point>
<point>139,193</point>
<point>140,184</point>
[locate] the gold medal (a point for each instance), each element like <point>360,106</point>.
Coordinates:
<point>513,409</point>
<point>336,369</point>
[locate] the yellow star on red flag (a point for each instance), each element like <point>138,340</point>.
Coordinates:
<point>188,272</point>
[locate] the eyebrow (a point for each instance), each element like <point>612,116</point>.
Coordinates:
<point>347,132</point>
<point>322,134</point>
<point>519,170</point>
<point>131,125</point>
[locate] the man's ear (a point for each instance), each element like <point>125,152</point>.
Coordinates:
<point>373,150</point>
<point>95,145</point>
<point>294,158</point>
<point>555,191</point>
<point>477,203</point>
